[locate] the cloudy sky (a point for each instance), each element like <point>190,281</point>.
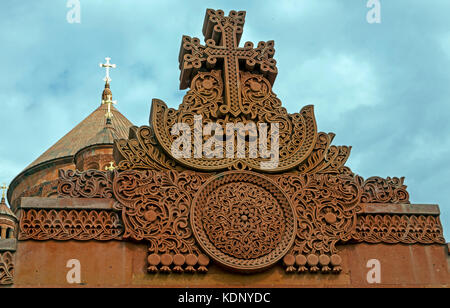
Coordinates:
<point>382,88</point>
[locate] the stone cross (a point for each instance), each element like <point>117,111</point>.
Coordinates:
<point>222,36</point>
<point>107,65</point>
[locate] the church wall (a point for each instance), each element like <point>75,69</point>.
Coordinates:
<point>94,157</point>
<point>116,263</point>
<point>31,185</point>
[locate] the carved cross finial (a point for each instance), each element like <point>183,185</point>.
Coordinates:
<point>111,166</point>
<point>222,52</point>
<point>107,66</point>
<point>3,188</point>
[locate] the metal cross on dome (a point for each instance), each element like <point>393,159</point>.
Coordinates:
<point>3,188</point>
<point>107,66</point>
<point>109,114</point>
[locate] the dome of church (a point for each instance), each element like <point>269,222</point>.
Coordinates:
<point>89,145</point>
<point>4,209</point>
<point>88,132</point>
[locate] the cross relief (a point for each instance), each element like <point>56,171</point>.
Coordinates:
<point>222,36</point>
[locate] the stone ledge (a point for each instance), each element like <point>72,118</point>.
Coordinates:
<point>399,208</point>
<point>8,244</point>
<point>66,203</point>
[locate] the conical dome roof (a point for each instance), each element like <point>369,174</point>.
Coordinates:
<point>90,131</point>
<point>4,209</point>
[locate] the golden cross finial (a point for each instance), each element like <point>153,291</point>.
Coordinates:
<point>3,188</point>
<point>107,66</point>
<point>110,167</point>
<point>109,114</point>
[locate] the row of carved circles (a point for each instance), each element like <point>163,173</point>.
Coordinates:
<point>177,263</point>
<point>313,263</point>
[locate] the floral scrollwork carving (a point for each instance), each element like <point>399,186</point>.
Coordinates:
<point>389,190</point>
<point>87,184</point>
<point>326,207</point>
<point>155,207</point>
<point>141,151</point>
<point>6,268</point>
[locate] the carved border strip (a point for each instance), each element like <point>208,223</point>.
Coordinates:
<point>63,225</point>
<point>393,229</point>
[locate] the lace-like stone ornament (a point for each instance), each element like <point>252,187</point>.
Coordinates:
<point>243,220</point>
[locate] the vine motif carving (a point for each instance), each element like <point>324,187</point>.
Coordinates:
<point>87,184</point>
<point>393,229</point>
<point>389,190</point>
<point>6,268</point>
<point>63,225</point>
<point>141,151</point>
<point>326,208</point>
<point>243,220</point>
<point>327,158</point>
<point>155,207</point>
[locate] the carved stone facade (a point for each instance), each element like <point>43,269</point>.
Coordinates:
<point>196,211</point>
<point>63,225</point>
<point>241,219</point>
<point>8,227</point>
<point>6,268</point>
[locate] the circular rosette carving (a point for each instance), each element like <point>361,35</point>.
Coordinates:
<point>208,85</point>
<point>243,220</point>
<point>255,91</point>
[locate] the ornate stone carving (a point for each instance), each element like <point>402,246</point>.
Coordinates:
<point>222,35</point>
<point>326,158</point>
<point>389,190</point>
<point>297,132</point>
<point>88,184</point>
<point>222,91</point>
<point>141,151</point>
<point>326,208</point>
<point>155,208</point>
<point>63,225</point>
<point>243,220</point>
<point>405,229</point>
<point>6,268</point>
